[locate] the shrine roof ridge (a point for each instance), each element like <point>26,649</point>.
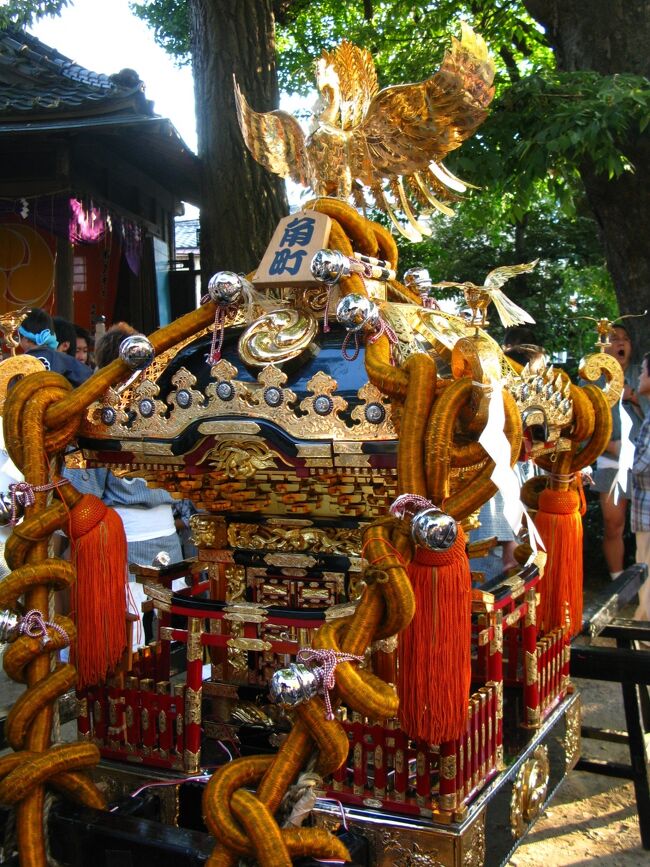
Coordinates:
<point>36,79</point>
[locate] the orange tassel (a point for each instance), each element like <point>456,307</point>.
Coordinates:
<point>98,596</point>
<point>434,651</point>
<point>560,526</point>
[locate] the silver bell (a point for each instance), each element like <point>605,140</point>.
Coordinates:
<point>329,266</point>
<point>137,352</point>
<point>8,626</point>
<point>225,287</point>
<point>293,685</point>
<point>434,530</point>
<point>418,279</point>
<point>161,560</point>
<point>6,509</point>
<point>355,312</point>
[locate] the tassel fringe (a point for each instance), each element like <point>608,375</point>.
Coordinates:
<point>560,526</point>
<point>99,554</point>
<point>434,652</point>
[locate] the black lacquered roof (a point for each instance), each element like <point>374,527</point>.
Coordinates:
<point>37,81</point>
<point>44,93</point>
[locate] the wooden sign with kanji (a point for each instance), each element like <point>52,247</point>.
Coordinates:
<point>287,259</point>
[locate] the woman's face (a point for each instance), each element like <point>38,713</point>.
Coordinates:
<point>644,378</point>
<point>620,346</point>
<point>82,350</point>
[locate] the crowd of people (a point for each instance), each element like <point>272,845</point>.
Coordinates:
<point>641,490</point>
<point>627,496</point>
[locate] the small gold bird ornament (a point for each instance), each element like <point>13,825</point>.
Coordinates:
<point>478,298</point>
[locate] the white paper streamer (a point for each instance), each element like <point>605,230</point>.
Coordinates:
<point>625,456</point>
<point>495,443</point>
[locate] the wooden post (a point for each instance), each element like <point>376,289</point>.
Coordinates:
<point>531,675</point>
<point>193,694</point>
<point>64,298</point>
<point>448,775</point>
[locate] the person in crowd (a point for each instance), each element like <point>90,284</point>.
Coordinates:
<point>640,516</point>
<point>527,354</point>
<point>84,346</point>
<point>519,335</point>
<point>183,511</point>
<point>146,512</point>
<point>108,345</point>
<point>38,338</point>
<point>614,510</point>
<point>66,335</point>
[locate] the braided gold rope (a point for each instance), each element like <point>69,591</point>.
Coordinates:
<point>242,823</point>
<point>422,375</point>
<point>477,489</point>
<point>391,381</point>
<point>41,416</point>
<point>361,235</point>
<point>385,605</point>
<point>601,433</point>
<point>23,775</point>
<point>440,449</point>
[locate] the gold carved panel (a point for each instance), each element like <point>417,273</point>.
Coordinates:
<point>529,791</point>
<point>572,736</point>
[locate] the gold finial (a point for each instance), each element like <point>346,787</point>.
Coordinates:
<point>604,327</point>
<point>9,324</point>
<point>390,142</point>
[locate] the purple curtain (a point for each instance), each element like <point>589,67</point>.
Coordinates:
<point>82,222</point>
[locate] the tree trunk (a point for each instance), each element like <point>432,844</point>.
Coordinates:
<point>609,37</point>
<point>241,201</point>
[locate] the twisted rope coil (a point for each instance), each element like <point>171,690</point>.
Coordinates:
<point>41,417</point>
<point>326,670</point>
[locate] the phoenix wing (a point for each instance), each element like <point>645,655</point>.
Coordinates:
<point>351,71</point>
<point>447,284</point>
<point>509,312</point>
<point>410,125</point>
<point>500,276</point>
<point>275,140</point>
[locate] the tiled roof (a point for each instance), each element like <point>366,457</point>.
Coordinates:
<point>38,81</point>
<point>44,92</point>
<point>187,234</point>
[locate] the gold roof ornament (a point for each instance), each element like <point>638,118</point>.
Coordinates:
<point>389,143</point>
<point>604,327</point>
<point>478,297</point>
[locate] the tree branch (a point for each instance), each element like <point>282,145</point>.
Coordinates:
<point>511,64</point>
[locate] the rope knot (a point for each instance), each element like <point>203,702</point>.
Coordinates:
<point>34,625</point>
<point>383,328</point>
<point>323,666</point>
<point>559,502</point>
<point>218,331</point>
<point>409,504</point>
<point>23,495</point>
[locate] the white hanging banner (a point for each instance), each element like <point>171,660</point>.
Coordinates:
<point>625,456</point>
<point>495,443</point>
